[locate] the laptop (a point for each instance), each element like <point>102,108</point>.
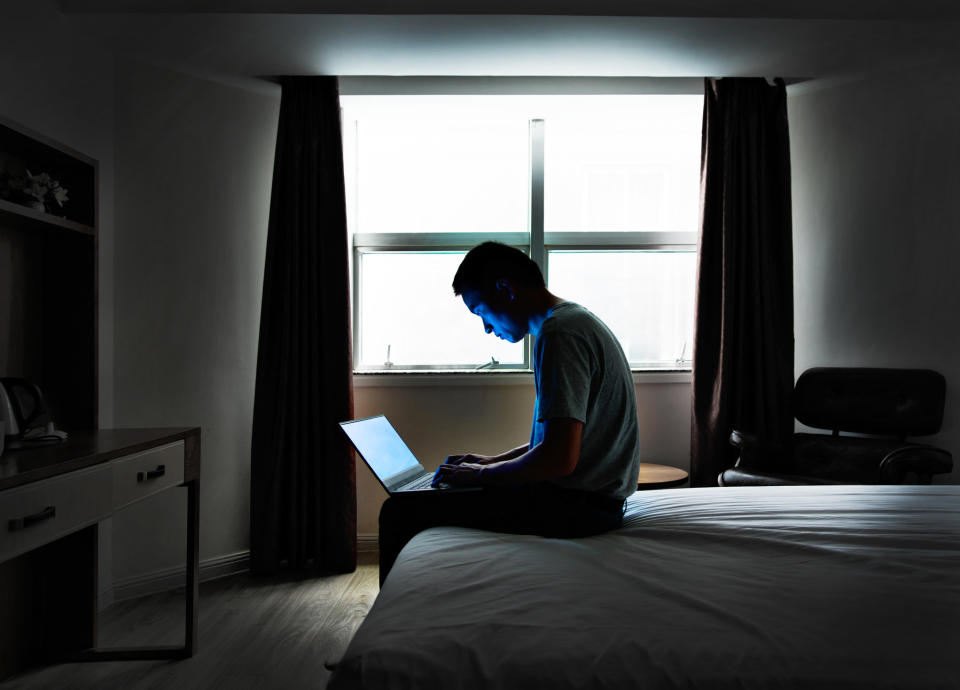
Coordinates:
<point>388,457</point>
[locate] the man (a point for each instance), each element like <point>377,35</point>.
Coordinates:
<point>583,457</point>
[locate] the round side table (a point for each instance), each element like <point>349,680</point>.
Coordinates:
<point>660,476</point>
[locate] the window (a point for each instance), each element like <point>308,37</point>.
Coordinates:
<point>601,191</point>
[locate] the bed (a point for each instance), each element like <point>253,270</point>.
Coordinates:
<point>747,587</point>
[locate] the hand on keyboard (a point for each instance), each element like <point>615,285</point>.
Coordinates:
<point>464,474</point>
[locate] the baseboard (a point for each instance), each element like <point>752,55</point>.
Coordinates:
<point>171,578</point>
<point>368,543</point>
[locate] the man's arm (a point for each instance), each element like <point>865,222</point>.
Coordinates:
<point>555,456</point>
<point>487,459</point>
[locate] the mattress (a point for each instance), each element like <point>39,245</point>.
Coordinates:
<point>736,587</point>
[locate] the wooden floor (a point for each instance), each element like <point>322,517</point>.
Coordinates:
<point>261,633</point>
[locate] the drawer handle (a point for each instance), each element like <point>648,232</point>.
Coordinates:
<point>30,520</point>
<point>152,474</point>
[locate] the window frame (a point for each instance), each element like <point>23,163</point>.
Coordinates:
<point>535,242</point>
<point>370,243</point>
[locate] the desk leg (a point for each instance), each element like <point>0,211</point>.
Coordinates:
<point>193,567</point>
<point>192,595</point>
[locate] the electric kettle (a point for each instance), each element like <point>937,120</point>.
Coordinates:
<point>25,415</point>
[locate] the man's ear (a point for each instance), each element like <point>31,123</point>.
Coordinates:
<point>505,289</point>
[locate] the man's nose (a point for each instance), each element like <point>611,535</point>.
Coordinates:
<point>487,327</point>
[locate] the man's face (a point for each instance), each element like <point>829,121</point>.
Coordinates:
<point>499,314</point>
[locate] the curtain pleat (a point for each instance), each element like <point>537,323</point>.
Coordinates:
<point>303,507</point>
<point>743,355</point>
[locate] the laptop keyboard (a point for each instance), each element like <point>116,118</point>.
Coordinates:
<point>422,483</point>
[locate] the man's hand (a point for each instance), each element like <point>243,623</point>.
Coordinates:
<point>458,474</point>
<point>555,456</point>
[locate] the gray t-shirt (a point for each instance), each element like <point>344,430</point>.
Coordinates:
<point>580,372</point>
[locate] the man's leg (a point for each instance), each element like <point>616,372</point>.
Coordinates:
<point>571,514</point>
<point>498,509</point>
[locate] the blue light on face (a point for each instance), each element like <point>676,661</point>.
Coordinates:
<point>496,322</point>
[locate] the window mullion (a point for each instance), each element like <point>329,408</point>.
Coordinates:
<point>537,250</point>
<point>536,194</point>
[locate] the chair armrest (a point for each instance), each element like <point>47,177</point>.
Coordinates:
<point>742,438</point>
<point>740,476</point>
<point>922,460</point>
<point>755,452</point>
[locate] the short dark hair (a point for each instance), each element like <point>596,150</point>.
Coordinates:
<point>489,262</point>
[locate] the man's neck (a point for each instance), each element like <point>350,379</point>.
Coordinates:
<point>543,303</point>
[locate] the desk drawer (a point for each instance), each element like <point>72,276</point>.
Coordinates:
<point>141,475</point>
<point>38,513</point>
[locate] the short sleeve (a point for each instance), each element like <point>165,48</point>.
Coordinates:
<point>564,375</point>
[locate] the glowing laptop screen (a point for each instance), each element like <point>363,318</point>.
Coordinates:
<point>381,446</point>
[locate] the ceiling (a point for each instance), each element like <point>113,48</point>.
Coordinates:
<point>664,38</point>
<point>789,9</point>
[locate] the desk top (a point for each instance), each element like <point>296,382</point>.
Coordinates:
<point>87,448</point>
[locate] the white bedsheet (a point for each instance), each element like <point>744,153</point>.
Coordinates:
<point>738,587</point>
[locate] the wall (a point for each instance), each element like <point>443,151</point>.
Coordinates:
<point>180,277</point>
<point>194,169</point>
<point>877,226</point>
<point>195,158</point>
<point>194,161</point>
<point>181,261</point>
<point>194,164</point>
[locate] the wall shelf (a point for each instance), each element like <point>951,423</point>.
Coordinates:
<point>48,300</point>
<point>16,215</point>
<point>24,151</point>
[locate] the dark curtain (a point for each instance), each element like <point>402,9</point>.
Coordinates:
<point>743,342</point>
<point>303,507</point>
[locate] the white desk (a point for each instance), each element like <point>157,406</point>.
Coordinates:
<point>51,501</point>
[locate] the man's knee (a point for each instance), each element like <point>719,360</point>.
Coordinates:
<point>386,511</point>
<point>400,510</point>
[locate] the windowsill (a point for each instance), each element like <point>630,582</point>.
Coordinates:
<point>404,379</point>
